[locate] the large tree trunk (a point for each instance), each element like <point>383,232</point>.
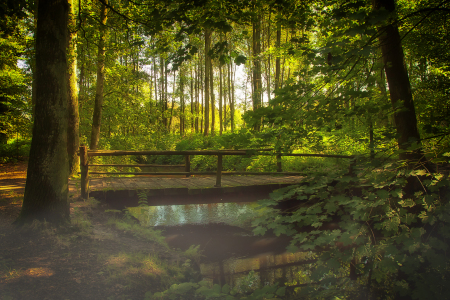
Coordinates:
<point>399,85</point>
<point>97,118</point>
<point>73,139</point>
<point>46,188</point>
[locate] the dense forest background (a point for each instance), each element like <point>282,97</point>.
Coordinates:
<point>296,74</point>
<point>361,78</point>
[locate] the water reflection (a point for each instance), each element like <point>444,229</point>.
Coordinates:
<point>235,214</point>
<point>228,247</point>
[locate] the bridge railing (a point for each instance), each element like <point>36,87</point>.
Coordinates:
<point>84,154</point>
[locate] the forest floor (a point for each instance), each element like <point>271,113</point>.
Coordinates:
<point>91,259</point>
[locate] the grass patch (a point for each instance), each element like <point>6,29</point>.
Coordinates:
<point>132,270</point>
<point>130,226</point>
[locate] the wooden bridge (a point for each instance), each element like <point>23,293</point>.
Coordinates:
<point>187,186</point>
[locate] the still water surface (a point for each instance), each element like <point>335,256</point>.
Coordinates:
<point>229,249</point>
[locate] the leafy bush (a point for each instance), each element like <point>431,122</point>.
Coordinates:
<point>369,228</point>
<point>15,150</point>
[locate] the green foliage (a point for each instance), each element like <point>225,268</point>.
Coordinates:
<point>371,221</point>
<point>127,224</point>
<point>206,290</point>
<point>14,150</point>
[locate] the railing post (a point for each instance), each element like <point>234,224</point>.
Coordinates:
<point>84,165</point>
<point>219,171</point>
<point>187,164</point>
<point>279,168</point>
<point>351,168</point>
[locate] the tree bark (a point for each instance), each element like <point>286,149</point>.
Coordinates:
<point>197,96</point>
<point>268,59</point>
<point>46,189</point>
<point>213,106</point>
<point>233,73</point>
<point>220,98</point>
<point>73,139</point>
<point>257,87</point>
<point>97,118</point>
<point>399,85</point>
<point>277,60</point>
<point>207,78</point>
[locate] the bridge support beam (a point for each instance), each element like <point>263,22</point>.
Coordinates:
<point>84,165</point>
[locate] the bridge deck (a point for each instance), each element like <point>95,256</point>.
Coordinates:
<point>184,190</point>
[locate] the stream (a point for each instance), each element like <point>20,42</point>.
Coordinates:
<point>230,252</point>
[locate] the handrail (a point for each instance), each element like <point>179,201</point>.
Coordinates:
<point>84,154</point>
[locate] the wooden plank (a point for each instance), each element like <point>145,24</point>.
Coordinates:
<point>168,152</point>
<point>234,180</point>
<point>118,183</point>
<point>153,183</point>
<point>154,173</point>
<point>131,183</point>
<point>137,165</point>
<point>246,180</point>
<point>145,182</point>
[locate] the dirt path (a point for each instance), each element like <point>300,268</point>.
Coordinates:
<point>92,259</point>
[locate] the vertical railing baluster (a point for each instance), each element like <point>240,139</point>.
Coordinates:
<point>219,171</point>
<point>187,164</point>
<point>351,168</point>
<point>279,168</point>
<point>84,165</point>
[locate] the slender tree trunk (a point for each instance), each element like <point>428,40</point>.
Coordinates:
<point>161,91</point>
<point>197,97</point>
<point>233,74</point>
<point>207,78</point>
<point>192,98</point>
<point>173,101</point>
<point>228,95</point>
<point>213,106</point>
<point>166,96</point>
<point>81,81</point>
<point>268,60</point>
<point>202,108</point>
<point>33,64</point>
<point>182,109</point>
<point>277,60</point>
<point>155,79</point>
<point>257,87</point>
<point>46,189</point>
<point>95,133</point>
<point>220,98</point>
<point>73,140</point>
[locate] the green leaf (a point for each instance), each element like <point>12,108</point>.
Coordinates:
<point>241,59</point>
<point>333,264</point>
<point>281,291</point>
<point>346,239</point>
<point>226,289</point>
<point>331,207</point>
<point>382,194</point>
<point>292,249</point>
<point>259,230</point>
